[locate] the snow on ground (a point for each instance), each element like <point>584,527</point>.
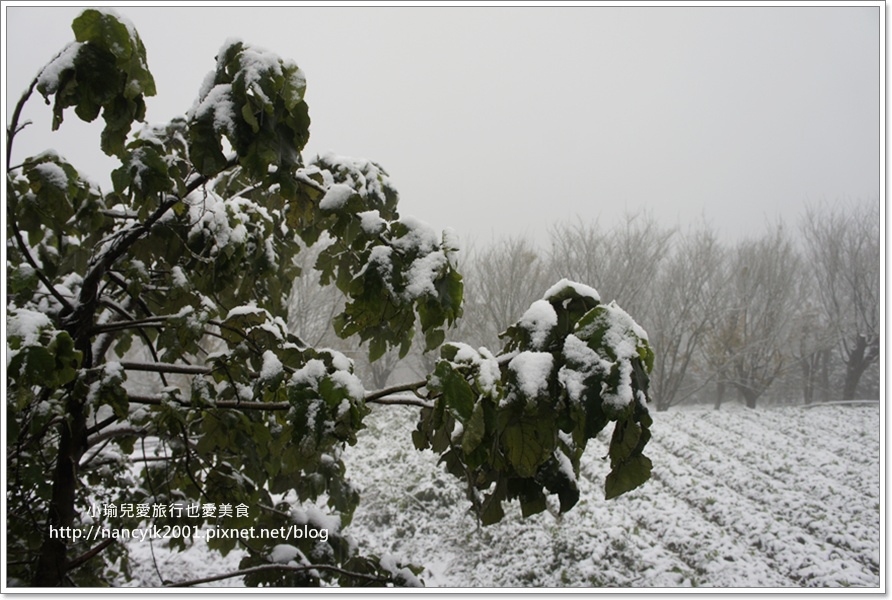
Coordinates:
<point>782,497</point>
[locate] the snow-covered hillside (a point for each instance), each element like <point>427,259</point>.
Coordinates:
<point>739,498</point>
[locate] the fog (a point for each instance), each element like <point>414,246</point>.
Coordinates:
<point>498,121</point>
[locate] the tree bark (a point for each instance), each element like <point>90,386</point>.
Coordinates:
<point>809,371</point>
<point>862,355</point>
<point>825,375</point>
<point>52,565</point>
<point>719,394</point>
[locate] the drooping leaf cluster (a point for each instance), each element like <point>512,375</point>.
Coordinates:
<point>514,425</point>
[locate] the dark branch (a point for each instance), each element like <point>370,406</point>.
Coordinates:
<point>291,568</point>
<point>403,387</point>
<point>113,433</point>
<point>14,122</point>
<point>401,401</point>
<point>129,324</point>
<point>23,248</point>
<point>157,400</point>
<point>80,560</point>
<point>177,369</point>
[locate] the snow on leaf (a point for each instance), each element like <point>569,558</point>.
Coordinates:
<point>539,319</point>
<point>336,197</point>
<point>48,80</point>
<point>372,223</point>
<point>285,553</point>
<point>272,366</point>
<point>422,273</point>
<point>26,325</point>
<point>419,238</point>
<point>579,288</point>
<point>532,370</point>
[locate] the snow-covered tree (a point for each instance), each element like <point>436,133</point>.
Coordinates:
<point>191,261</point>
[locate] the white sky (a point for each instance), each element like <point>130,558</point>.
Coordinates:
<point>504,120</point>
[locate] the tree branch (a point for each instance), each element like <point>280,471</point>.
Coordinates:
<point>79,322</point>
<point>14,128</point>
<point>80,560</point>
<point>271,567</point>
<point>157,401</point>
<point>403,387</point>
<point>400,401</point>
<point>129,324</point>
<point>113,433</point>
<point>23,248</point>
<point>176,369</point>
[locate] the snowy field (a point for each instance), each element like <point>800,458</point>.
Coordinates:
<point>738,499</point>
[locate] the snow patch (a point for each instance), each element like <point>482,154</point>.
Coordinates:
<point>580,288</point>
<point>539,319</point>
<point>272,366</point>
<point>532,370</point>
<point>48,80</point>
<point>336,197</point>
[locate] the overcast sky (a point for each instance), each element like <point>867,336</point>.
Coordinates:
<point>499,121</point>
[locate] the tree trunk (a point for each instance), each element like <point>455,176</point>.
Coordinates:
<point>719,394</point>
<point>825,375</point>
<point>862,355</point>
<point>749,397</point>
<point>808,380</point>
<point>52,564</point>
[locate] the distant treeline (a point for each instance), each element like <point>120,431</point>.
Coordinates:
<point>789,316</point>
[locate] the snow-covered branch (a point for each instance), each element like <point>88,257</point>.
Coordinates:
<point>113,433</point>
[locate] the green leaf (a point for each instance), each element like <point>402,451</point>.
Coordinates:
<point>528,441</point>
<point>475,430</point>
<point>107,31</point>
<point>458,395</point>
<point>625,441</point>
<point>107,72</point>
<point>434,338</point>
<point>532,502</point>
<point>627,476</point>
<point>377,348</point>
<point>492,512</point>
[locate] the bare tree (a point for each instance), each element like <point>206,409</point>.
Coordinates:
<point>687,291</point>
<point>813,339</point>
<point>621,263</point>
<point>312,306</point>
<point>753,333</point>
<point>502,280</point>
<point>843,248</point>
